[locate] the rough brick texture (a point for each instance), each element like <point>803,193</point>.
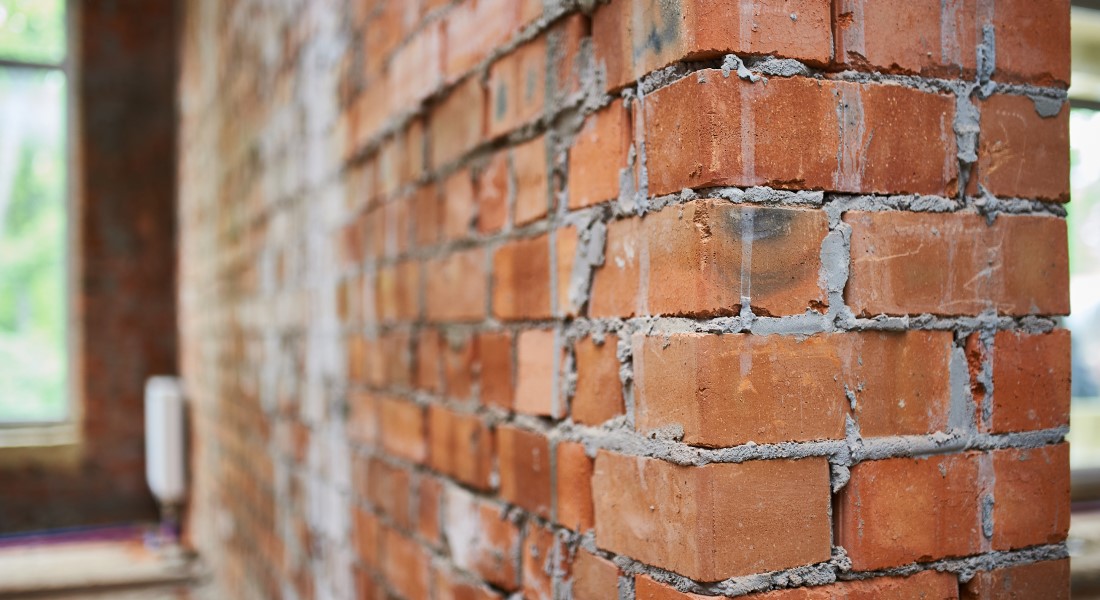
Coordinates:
<point>632,299</point>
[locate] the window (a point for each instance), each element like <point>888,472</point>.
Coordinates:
<point>34,104</point>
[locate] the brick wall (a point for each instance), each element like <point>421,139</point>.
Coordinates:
<point>632,299</point>
<point>122,273</point>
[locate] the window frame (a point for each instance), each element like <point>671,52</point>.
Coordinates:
<point>62,431</point>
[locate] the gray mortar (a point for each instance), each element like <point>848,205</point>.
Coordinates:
<point>1047,107</point>
<point>591,239</point>
<point>732,64</point>
<point>987,61</point>
<point>960,414</point>
<point>778,67</point>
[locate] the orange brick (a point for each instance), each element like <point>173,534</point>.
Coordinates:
<point>362,422</point>
<point>521,286</point>
<point>565,247</point>
<point>594,578</point>
<point>457,124</point>
<point>461,446</point>
<point>402,429</point>
<point>419,64</point>
<point>496,359</point>
<point>645,588</point>
<point>450,586</point>
<point>634,37</point>
<point>459,361</point>
<point>677,517</point>
<point>573,485</point>
<point>1020,153</point>
<point>429,499</point>
<point>925,585</point>
<point>427,205</point>
<point>783,388</point>
<point>455,286</point>
<point>1031,381</point>
<point>1048,580</point>
<point>956,264</point>
<point>536,365</point>
<point>523,458</point>
<point>532,185</point>
<point>542,557</point>
<point>459,206</point>
<point>902,510</point>
<point>428,361</point>
<point>693,123</point>
<point>1030,496</point>
<point>388,489</point>
<point>366,538</point>
<point>405,565</point>
<point>481,539</point>
<point>397,295</point>
<point>598,156</point>
<point>694,254</point>
<point>474,28</point>
<point>492,194</point>
<point>599,392</point>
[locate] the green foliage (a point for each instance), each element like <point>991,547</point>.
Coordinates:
<point>32,30</point>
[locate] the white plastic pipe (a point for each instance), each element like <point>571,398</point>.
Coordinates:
<point>164,439</point>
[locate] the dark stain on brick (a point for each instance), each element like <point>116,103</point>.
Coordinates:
<point>664,28</point>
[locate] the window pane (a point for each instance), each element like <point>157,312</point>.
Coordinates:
<point>33,365</point>
<point>32,30</point>
<point>1084,264</point>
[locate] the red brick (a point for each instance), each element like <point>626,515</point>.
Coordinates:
<point>523,458</point>
<point>519,82</point>
<point>925,585</point>
<point>429,499</point>
<point>427,205</point>
<point>694,252</point>
<point>599,392</point>
<point>457,123</point>
<point>693,123</point>
<point>573,486</point>
<point>474,28</point>
<point>397,295</point>
<point>1032,41</point>
<point>1049,580</point>
<point>455,286</point>
<point>461,446</point>
<point>450,586</point>
<point>909,37</point>
<point>1020,153</point>
<point>366,537</point>
<point>536,366</point>
<point>366,118</point>
<point>393,21</point>
<point>645,588</point>
<point>521,286</point>
<point>565,247</point>
<point>678,518</point>
<point>956,264</point>
<point>481,539</point>
<point>634,37</point>
<point>594,578</point>
<point>362,418</point>
<point>542,558</point>
<point>459,361</point>
<point>615,284</point>
<point>428,361</point>
<point>532,187</point>
<point>402,429</point>
<point>902,510</point>
<point>459,206</point>
<point>418,66</point>
<point>388,489</point>
<point>405,565</point>
<point>1030,496</point>
<point>788,389</point>
<point>496,359</point>
<point>1031,381</point>
<point>598,155</point>
<point>493,194</point>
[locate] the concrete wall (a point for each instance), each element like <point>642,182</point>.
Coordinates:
<point>631,299</point>
<point>122,270</point>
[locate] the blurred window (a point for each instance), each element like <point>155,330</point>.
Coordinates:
<point>34,195</point>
